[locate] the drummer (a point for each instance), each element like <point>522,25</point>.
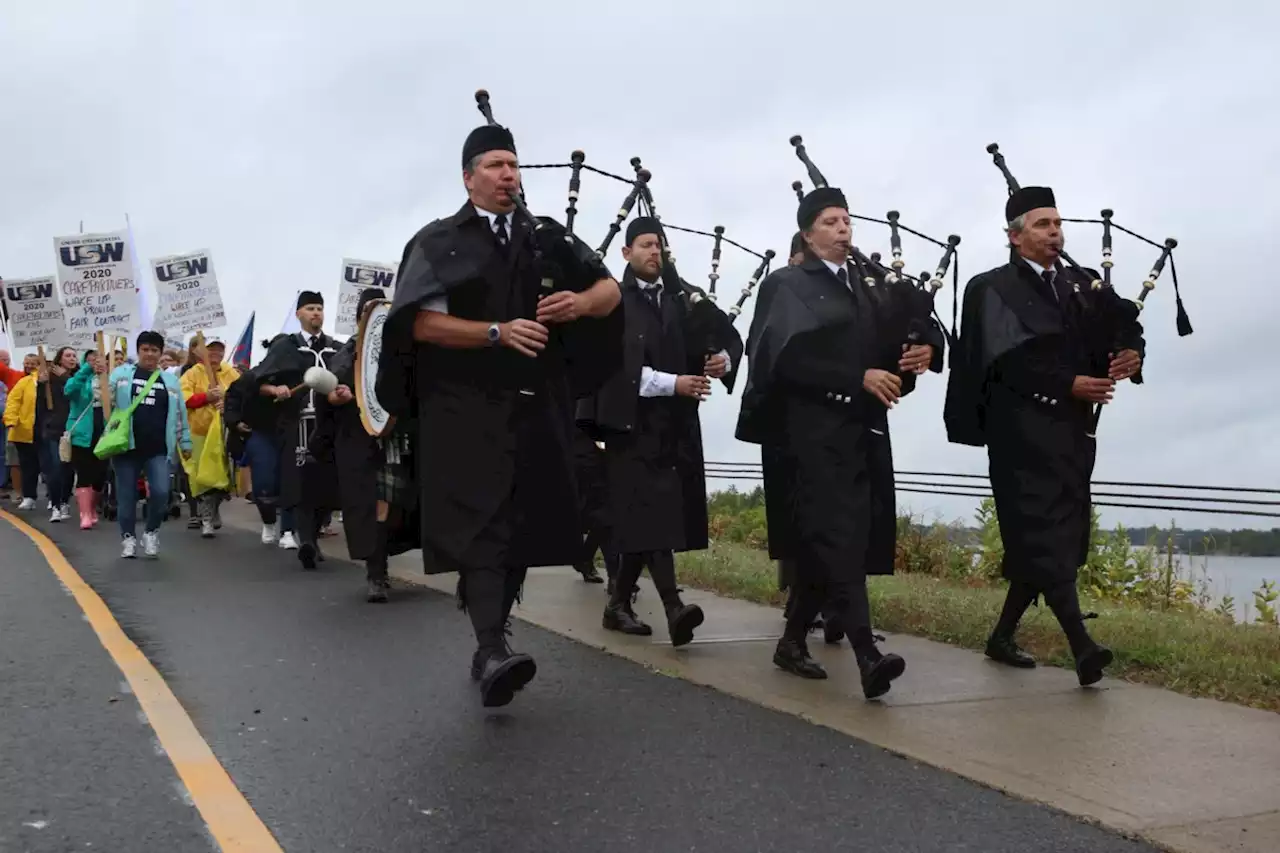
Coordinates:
<point>375,474</point>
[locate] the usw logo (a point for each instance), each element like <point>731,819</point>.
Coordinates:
<point>29,291</point>
<point>92,253</point>
<point>366,277</point>
<point>182,269</point>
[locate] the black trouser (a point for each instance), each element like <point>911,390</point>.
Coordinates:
<point>1063,600</point>
<point>793,596</point>
<point>488,594</point>
<point>595,541</point>
<point>90,471</point>
<point>306,522</point>
<point>29,463</point>
<point>662,569</point>
<point>843,602</point>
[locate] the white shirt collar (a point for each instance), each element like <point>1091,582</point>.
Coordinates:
<point>493,218</point>
<point>835,270</point>
<point>1035,266</point>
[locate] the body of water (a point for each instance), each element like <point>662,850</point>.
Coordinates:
<point>1234,576</point>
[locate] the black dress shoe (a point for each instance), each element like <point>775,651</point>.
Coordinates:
<point>589,573</point>
<point>832,633</point>
<point>1005,650</point>
<point>307,556</point>
<point>682,619</point>
<point>1091,662</point>
<point>621,618</point>
<point>376,590</point>
<point>793,656</point>
<point>502,673</point>
<point>878,670</point>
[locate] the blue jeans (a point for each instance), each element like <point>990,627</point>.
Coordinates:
<point>263,460</point>
<point>58,476</point>
<point>128,466</point>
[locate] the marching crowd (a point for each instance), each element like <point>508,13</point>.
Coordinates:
<point>54,419</point>
<point>533,425</point>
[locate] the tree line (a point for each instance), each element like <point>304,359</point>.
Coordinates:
<point>1237,543</point>
<point>1214,541</point>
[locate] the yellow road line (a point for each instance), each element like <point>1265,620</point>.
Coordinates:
<point>231,820</point>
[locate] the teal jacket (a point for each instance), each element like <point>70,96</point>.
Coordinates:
<point>79,394</point>
<point>178,431</point>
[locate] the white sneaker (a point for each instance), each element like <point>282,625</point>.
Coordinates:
<point>151,543</point>
<point>27,503</point>
<point>128,547</point>
<point>206,529</point>
<point>65,511</point>
<point>56,515</point>
<point>288,543</point>
<point>268,534</point>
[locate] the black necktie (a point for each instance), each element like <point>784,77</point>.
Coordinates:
<point>843,275</point>
<point>314,343</point>
<point>1057,286</point>
<point>500,230</point>
<point>651,294</point>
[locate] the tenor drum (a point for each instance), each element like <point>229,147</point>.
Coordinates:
<point>375,417</point>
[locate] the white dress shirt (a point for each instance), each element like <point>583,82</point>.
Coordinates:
<point>655,383</point>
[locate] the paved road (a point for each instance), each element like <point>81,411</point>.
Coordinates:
<point>354,727</point>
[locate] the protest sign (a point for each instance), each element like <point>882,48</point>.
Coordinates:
<point>96,284</point>
<point>35,314</point>
<point>187,292</point>
<point>356,276</point>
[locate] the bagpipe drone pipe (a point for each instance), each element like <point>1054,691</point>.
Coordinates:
<point>563,260</point>
<point>708,329</point>
<point>905,302</point>
<point>564,257</point>
<point>1105,314</point>
<point>638,194</point>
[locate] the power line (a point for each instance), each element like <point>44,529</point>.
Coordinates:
<point>1216,505</point>
<point>755,467</point>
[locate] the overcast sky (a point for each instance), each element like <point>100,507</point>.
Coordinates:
<point>286,136</point>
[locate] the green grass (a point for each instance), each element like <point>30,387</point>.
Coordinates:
<point>1198,654</point>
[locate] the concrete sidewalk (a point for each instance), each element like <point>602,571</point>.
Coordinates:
<point>1191,775</point>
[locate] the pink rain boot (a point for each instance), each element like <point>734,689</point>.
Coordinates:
<point>84,500</point>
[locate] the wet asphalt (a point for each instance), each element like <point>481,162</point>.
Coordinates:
<point>355,727</point>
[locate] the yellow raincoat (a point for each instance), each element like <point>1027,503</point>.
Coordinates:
<point>209,468</point>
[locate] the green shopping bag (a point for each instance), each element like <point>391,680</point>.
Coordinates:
<point>115,435</point>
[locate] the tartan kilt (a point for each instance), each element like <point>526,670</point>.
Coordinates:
<point>396,483</point>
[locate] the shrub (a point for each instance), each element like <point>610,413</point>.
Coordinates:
<point>1113,571</point>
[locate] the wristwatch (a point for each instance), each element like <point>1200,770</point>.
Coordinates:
<point>494,334</point>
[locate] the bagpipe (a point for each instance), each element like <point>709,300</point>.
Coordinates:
<point>563,261</point>
<point>708,329</point>
<point>911,301</point>
<point>1107,315</point>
